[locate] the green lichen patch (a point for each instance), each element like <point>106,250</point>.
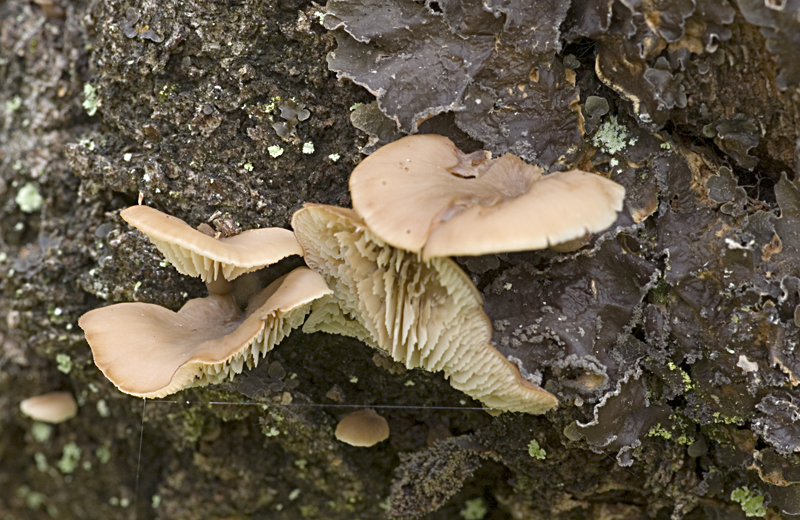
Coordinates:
<point>28,198</point>
<point>752,502</point>
<point>90,99</point>
<point>474,509</point>
<point>64,363</point>
<point>611,136</point>
<point>535,451</point>
<point>69,458</point>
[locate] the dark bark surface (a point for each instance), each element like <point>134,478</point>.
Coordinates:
<point>670,340</point>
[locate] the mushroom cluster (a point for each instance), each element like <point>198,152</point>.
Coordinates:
<point>377,273</point>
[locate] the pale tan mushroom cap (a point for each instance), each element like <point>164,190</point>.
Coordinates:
<point>54,408</point>
<point>363,428</point>
<point>194,253</point>
<point>423,194</point>
<point>423,314</point>
<point>149,351</point>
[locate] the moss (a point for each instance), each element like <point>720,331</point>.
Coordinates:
<point>535,451</point>
<point>308,147</point>
<point>28,198</point>
<point>275,151</point>
<point>659,293</point>
<point>752,503</point>
<point>474,509</point>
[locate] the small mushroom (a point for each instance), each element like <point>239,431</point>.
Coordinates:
<point>149,351</point>
<point>54,408</point>
<point>423,314</point>
<point>422,194</point>
<point>363,428</point>
<point>194,253</point>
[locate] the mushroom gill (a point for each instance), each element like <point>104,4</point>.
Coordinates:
<point>194,253</point>
<point>424,314</point>
<point>422,194</point>
<point>149,351</point>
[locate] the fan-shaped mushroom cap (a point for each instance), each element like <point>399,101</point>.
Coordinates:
<point>422,194</point>
<point>194,253</point>
<point>150,351</point>
<point>55,407</point>
<point>363,428</point>
<point>424,314</point>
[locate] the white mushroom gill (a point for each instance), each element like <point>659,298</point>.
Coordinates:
<point>424,314</point>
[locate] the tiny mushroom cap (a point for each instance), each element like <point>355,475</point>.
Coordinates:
<point>422,194</point>
<point>423,314</point>
<point>195,253</point>
<point>55,407</point>
<point>363,428</point>
<point>150,351</point>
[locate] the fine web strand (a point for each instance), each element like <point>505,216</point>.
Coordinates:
<point>139,463</point>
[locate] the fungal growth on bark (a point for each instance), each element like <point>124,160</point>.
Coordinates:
<point>194,253</point>
<point>423,194</point>
<point>424,314</point>
<point>54,408</point>
<point>149,351</point>
<point>363,428</point>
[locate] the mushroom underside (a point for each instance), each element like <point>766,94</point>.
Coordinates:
<point>423,314</point>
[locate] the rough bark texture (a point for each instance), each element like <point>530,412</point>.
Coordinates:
<point>670,340</point>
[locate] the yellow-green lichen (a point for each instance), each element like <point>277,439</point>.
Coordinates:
<point>69,458</point>
<point>658,431</point>
<point>64,363</point>
<point>41,431</point>
<point>474,509</point>
<point>752,503</point>
<point>13,104</point>
<point>535,451</point>
<point>28,198</point>
<point>611,136</point>
<point>90,99</point>
<point>41,461</point>
<point>103,454</point>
